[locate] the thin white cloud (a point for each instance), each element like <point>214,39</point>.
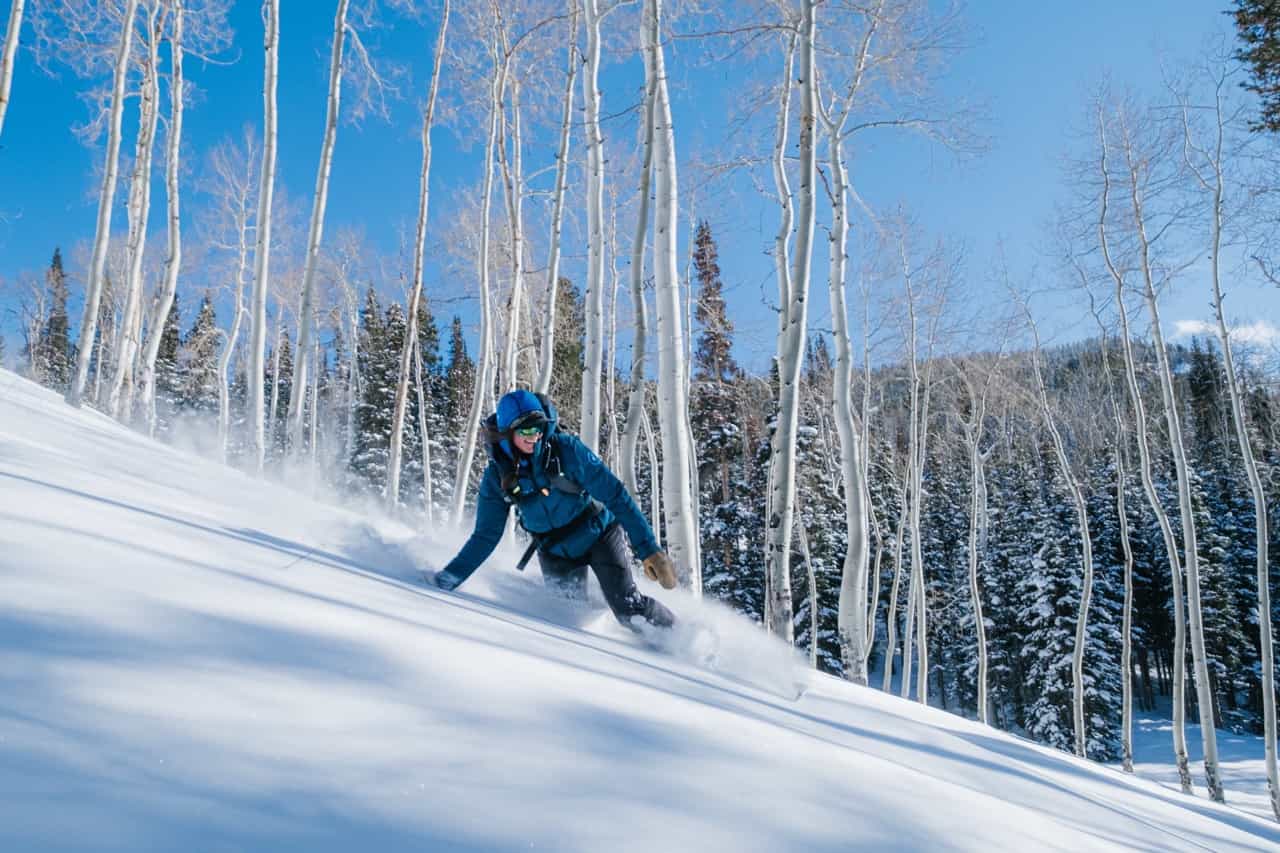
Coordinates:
<point>1259,333</point>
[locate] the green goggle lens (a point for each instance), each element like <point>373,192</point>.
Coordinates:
<point>529,431</point>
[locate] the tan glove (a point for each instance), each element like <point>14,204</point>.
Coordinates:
<point>658,567</point>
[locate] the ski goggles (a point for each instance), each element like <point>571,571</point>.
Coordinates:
<point>528,431</point>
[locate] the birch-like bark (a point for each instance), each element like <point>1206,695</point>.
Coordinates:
<point>891,610</point>
<point>1211,179</point>
<point>543,385</point>
<point>679,517</point>
<point>977,513</point>
<point>1191,560</point>
<point>852,613</point>
<point>229,346</point>
<point>1148,481</point>
<point>513,190</point>
<point>9,56</point>
<point>106,197</point>
<point>173,262</point>
<point>484,358</point>
<point>315,229</point>
<point>262,250</point>
<point>594,309</point>
<point>639,307</point>
<point>120,399</point>
<point>396,452</point>
<point>1086,546</point>
<point>791,348</point>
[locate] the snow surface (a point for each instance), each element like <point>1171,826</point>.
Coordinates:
<point>191,659</point>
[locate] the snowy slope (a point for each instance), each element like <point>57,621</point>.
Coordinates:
<point>191,660</point>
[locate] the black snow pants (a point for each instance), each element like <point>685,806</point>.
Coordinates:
<point>608,559</point>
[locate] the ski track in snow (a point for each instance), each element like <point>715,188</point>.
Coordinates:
<point>191,659</point>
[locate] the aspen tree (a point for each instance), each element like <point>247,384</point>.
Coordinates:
<point>1206,163</point>
<point>1144,456</point>
<point>593,13</point>
<point>236,190</point>
<point>852,613</point>
<point>9,55</point>
<point>543,383</point>
<point>173,262</point>
<point>639,308</point>
<point>1137,166</point>
<point>415,288</point>
<point>262,249</point>
<point>315,229</point>
<point>102,233</point>
<point>120,400</point>
<point>794,286</point>
<point>484,363</point>
<point>1086,541</point>
<point>678,507</point>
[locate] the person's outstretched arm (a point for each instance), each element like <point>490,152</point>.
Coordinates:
<point>491,521</point>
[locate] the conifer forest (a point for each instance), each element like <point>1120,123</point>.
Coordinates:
<point>927,488</point>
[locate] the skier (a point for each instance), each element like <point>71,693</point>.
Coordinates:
<point>572,505</point>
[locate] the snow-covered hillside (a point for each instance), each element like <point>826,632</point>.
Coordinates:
<point>192,660</point>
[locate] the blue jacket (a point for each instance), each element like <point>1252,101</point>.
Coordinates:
<point>543,507</point>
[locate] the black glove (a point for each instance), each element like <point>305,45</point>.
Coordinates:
<point>446,581</point>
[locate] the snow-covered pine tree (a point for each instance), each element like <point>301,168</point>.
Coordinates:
<point>168,372</point>
<point>54,356</point>
<point>198,377</point>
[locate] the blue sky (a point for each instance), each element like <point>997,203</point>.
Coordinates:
<point>1034,71</point>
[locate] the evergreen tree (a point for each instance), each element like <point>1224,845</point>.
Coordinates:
<point>53,357</point>
<point>1258,26</point>
<point>197,371</point>
<point>168,375</point>
<point>567,360</point>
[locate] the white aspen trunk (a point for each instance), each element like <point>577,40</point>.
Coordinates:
<point>1191,559</point>
<point>9,55</point>
<point>315,230</point>
<point>173,262</point>
<point>977,510</point>
<point>543,385</point>
<point>852,617</point>
<point>865,440</point>
<point>677,490</point>
<point>262,250</point>
<point>396,452</point>
<point>428,497</point>
<point>594,309</point>
<point>513,183</point>
<point>791,348</point>
<point>1126,649</point>
<point>1213,183</point>
<point>1148,482</point>
<point>611,354</point>
<point>120,400</point>
<point>106,198</point>
<point>483,383</point>
<point>639,309</point>
<point>891,611</point>
<point>229,346</point>
<point>1086,549</point>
